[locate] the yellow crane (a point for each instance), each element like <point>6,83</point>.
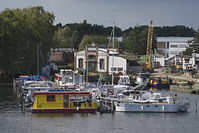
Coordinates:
<point>148,63</point>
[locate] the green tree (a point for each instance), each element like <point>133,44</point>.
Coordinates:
<point>116,43</point>
<point>63,38</point>
<point>136,41</point>
<point>196,37</point>
<point>177,31</point>
<point>88,40</point>
<point>22,30</point>
<point>133,43</point>
<point>194,48</point>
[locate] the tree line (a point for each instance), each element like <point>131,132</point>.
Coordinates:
<point>23,30</point>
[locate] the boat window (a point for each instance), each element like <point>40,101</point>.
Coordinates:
<point>156,105</point>
<point>157,96</point>
<point>160,100</point>
<point>147,106</point>
<point>50,98</point>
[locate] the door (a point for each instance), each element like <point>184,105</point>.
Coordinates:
<point>66,101</point>
<point>92,66</point>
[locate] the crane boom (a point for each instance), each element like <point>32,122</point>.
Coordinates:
<point>147,63</point>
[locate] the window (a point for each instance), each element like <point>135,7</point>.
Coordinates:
<point>160,100</point>
<point>174,52</point>
<point>186,60</point>
<point>167,54</point>
<point>80,63</point>
<point>50,98</point>
<point>167,45</point>
<point>173,46</point>
<point>66,98</point>
<point>92,57</point>
<point>182,46</point>
<point>113,69</point>
<point>120,69</point>
<point>101,63</point>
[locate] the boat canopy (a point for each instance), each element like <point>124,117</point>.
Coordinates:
<point>33,78</point>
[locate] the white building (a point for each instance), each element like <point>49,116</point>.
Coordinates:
<point>188,62</point>
<point>96,59</point>
<point>171,46</point>
<point>159,60</point>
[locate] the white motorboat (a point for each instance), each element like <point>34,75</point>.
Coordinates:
<point>31,86</point>
<point>153,102</point>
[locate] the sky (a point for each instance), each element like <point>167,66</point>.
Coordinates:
<point>125,13</point>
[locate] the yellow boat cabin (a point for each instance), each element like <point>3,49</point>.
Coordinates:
<point>65,101</point>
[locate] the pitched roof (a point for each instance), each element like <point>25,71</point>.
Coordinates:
<point>56,56</point>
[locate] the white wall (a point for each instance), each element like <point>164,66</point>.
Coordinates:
<point>161,60</point>
<point>80,55</point>
<point>177,50</point>
<point>119,62</point>
<point>190,64</point>
<point>102,55</point>
<point>181,42</point>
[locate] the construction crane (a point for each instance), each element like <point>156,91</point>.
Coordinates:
<point>148,63</point>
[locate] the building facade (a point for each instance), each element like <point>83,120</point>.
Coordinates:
<point>171,46</point>
<point>96,59</point>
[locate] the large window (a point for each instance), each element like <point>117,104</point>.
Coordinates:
<point>92,66</point>
<point>102,63</point>
<point>50,98</point>
<point>80,63</point>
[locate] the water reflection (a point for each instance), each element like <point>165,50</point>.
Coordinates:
<point>54,115</point>
<point>7,93</point>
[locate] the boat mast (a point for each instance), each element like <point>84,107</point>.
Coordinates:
<point>113,52</point>
<point>38,59</point>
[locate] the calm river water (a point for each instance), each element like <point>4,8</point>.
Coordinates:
<point>13,121</point>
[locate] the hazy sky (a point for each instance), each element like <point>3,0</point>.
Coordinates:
<point>125,13</point>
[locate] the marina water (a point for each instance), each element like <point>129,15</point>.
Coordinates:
<point>12,120</point>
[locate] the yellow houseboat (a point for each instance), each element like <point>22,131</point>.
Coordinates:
<point>65,101</point>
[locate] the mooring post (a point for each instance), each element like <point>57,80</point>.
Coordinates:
<point>196,106</point>
<point>23,100</point>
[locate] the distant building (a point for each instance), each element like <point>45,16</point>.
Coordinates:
<point>61,56</point>
<point>159,60</point>
<point>95,59</point>
<point>171,46</point>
